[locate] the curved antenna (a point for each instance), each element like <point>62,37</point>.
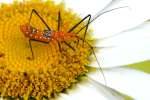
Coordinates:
<point>98,15</point>
<point>101,13</point>
<point>109,5</point>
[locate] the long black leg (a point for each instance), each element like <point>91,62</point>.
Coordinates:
<point>58,28</point>
<point>75,26</point>
<point>31,58</point>
<point>59,21</point>
<point>30,45</point>
<point>69,45</point>
<point>92,48</point>
<point>86,28</point>
<point>78,23</point>
<point>59,46</point>
<point>34,11</point>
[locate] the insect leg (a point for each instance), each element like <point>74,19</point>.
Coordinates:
<point>92,48</point>
<point>31,58</point>
<point>59,46</point>
<point>69,45</point>
<point>59,21</point>
<point>30,45</point>
<point>34,11</point>
<point>75,26</point>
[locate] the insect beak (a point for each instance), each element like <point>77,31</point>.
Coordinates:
<point>24,29</point>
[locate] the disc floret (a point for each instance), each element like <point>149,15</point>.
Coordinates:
<point>51,71</point>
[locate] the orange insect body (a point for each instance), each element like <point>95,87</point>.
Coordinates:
<point>45,35</point>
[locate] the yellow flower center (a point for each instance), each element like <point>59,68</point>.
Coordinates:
<point>52,70</point>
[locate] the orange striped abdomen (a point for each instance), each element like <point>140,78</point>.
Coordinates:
<point>61,36</point>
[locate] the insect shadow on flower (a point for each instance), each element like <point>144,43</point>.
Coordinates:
<point>50,36</point>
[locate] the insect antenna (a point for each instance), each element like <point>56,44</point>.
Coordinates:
<point>97,16</point>
<point>92,48</point>
<point>86,26</point>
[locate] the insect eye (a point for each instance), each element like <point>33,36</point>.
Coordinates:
<point>47,33</point>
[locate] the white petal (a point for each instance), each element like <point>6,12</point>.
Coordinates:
<point>125,48</point>
<point>91,90</point>
<point>131,82</point>
<point>140,8</point>
<point>134,36</point>
<point>86,7</point>
<point>6,1</point>
<point>115,21</point>
<point>119,20</point>
<point>119,56</point>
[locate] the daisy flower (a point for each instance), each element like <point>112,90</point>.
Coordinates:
<point>63,69</point>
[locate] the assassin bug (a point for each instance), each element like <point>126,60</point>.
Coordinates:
<point>48,35</point>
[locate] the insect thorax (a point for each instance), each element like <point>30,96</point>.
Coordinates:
<point>47,33</point>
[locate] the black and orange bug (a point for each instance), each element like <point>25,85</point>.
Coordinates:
<point>48,35</point>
